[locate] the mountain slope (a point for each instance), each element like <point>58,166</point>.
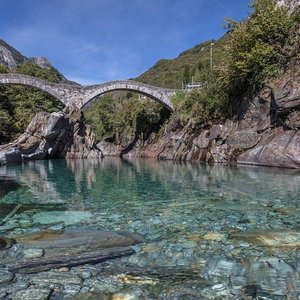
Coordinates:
<point>12,60</point>
<point>172,72</point>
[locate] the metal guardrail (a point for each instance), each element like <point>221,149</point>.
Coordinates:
<point>190,86</point>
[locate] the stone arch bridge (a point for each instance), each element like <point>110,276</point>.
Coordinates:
<point>80,95</point>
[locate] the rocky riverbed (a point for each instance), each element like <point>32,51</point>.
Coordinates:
<point>204,251</point>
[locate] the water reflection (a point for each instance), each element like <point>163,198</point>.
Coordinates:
<point>72,181</point>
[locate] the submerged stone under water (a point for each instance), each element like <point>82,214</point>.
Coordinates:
<point>208,232</point>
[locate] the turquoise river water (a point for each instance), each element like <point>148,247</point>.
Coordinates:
<point>209,232</point>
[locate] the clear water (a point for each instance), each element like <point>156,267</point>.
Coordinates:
<point>173,205</point>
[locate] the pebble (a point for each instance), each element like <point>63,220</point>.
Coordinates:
<point>214,236</point>
<point>56,278</point>
<point>32,253</point>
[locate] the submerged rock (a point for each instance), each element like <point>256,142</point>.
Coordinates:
<point>70,248</point>
<point>68,217</point>
<point>289,239</point>
<point>5,276</point>
<point>214,236</point>
<point>71,238</point>
<point>6,243</point>
<point>33,293</point>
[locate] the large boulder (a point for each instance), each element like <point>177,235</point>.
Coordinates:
<point>278,148</point>
<point>52,135</point>
<point>287,95</point>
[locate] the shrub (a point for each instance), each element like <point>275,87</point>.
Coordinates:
<point>257,48</point>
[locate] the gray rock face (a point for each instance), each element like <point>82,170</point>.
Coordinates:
<point>52,135</point>
<point>41,62</point>
<point>9,56</point>
<point>279,148</point>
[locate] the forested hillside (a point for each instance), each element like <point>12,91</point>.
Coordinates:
<point>190,65</point>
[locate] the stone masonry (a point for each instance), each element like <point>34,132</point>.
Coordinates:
<point>79,96</point>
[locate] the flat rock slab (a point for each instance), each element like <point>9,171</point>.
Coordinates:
<point>288,239</point>
<point>279,148</point>
<point>71,247</point>
<point>55,277</point>
<point>84,239</point>
<point>5,276</point>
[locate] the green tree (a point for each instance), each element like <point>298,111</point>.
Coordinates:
<point>258,48</point>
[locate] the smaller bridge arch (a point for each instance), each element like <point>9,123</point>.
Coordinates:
<point>161,95</point>
<point>79,95</point>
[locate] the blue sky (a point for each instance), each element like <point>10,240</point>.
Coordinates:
<point>92,41</point>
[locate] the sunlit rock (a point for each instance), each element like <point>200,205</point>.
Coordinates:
<point>271,238</point>
<point>214,236</point>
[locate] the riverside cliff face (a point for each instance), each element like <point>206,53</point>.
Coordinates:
<point>265,133</point>
<point>52,135</point>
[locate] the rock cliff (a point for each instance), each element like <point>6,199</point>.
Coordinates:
<point>266,132</point>
<point>52,135</point>
<point>11,58</point>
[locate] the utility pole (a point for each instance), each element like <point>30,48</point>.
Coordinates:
<point>211,56</point>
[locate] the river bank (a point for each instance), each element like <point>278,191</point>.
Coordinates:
<point>265,132</point>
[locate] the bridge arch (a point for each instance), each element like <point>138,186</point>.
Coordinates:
<point>79,96</point>
<point>161,95</point>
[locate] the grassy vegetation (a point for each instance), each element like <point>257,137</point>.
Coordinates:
<point>259,48</point>
<point>171,73</point>
<point>18,104</point>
